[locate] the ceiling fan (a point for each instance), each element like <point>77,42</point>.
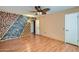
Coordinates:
<point>38,9</point>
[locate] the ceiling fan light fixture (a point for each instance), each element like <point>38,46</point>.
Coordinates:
<point>39,13</point>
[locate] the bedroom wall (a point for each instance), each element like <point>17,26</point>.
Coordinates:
<point>12,25</point>
<point>53,25</point>
<point>17,28</point>
<point>6,19</point>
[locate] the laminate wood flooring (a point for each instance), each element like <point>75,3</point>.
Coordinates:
<point>36,43</point>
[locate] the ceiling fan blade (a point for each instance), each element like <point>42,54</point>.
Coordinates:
<point>38,8</point>
<point>33,11</point>
<point>43,13</point>
<point>46,9</point>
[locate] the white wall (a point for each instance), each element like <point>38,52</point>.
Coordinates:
<point>37,27</point>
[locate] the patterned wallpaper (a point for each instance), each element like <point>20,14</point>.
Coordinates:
<point>6,19</point>
<point>11,25</point>
<point>17,28</point>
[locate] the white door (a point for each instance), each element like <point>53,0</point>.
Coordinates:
<point>71,28</point>
<point>37,27</point>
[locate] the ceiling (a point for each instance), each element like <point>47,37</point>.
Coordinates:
<point>27,9</point>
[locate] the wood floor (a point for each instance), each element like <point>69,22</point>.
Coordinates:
<point>31,43</point>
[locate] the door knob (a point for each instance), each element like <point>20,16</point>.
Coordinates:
<point>67,30</point>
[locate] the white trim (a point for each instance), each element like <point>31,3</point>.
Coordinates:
<point>10,39</point>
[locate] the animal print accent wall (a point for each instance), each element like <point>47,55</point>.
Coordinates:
<point>16,29</point>
<point>11,25</point>
<point>6,19</point>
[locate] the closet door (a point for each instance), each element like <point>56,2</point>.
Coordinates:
<point>78,28</point>
<point>71,28</point>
